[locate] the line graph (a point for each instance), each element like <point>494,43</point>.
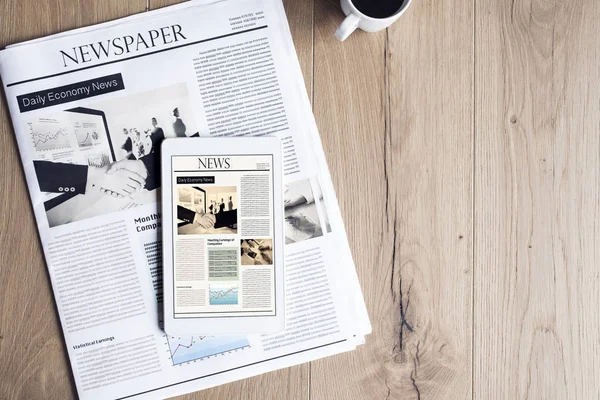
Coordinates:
<point>51,137</point>
<point>186,346</point>
<point>196,348</point>
<point>223,294</point>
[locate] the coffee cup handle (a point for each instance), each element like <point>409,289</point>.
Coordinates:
<point>348,26</point>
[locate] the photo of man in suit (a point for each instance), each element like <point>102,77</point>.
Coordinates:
<point>178,126</point>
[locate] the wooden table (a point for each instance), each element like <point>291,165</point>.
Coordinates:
<point>464,144</point>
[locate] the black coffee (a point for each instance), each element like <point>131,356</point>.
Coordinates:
<point>378,8</point>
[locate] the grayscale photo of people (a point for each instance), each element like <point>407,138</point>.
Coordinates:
<point>206,210</point>
<point>105,157</point>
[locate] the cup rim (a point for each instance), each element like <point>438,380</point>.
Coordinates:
<point>365,16</point>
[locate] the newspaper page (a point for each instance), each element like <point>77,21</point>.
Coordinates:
<point>89,110</point>
<point>223,236</point>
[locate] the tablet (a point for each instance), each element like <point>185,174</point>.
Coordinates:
<point>223,240</point>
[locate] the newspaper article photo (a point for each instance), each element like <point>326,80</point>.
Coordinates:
<point>256,251</point>
<point>105,157</point>
<point>218,201</point>
<point>301,214</point>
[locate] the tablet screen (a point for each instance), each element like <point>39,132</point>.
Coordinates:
<point>223,236</point>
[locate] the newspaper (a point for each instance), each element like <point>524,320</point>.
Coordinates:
<point>89,109</point>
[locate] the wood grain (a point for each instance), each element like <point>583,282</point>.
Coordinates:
<point>350,109</point>
<point>537,329</point>
<point>396,133</point>
<point>470,131</point>
<point>430,173</point>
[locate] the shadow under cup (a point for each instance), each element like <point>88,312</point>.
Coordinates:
<point>379,8</point>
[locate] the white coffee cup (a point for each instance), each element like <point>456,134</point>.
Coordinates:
<point>356,19</point>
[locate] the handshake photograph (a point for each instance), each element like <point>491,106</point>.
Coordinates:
<point>91,161</point>
<point>207,210</point>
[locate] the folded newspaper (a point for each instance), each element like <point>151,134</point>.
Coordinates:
<point>89,109</point>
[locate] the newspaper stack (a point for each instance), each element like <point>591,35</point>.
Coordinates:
<point>89,109</point>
